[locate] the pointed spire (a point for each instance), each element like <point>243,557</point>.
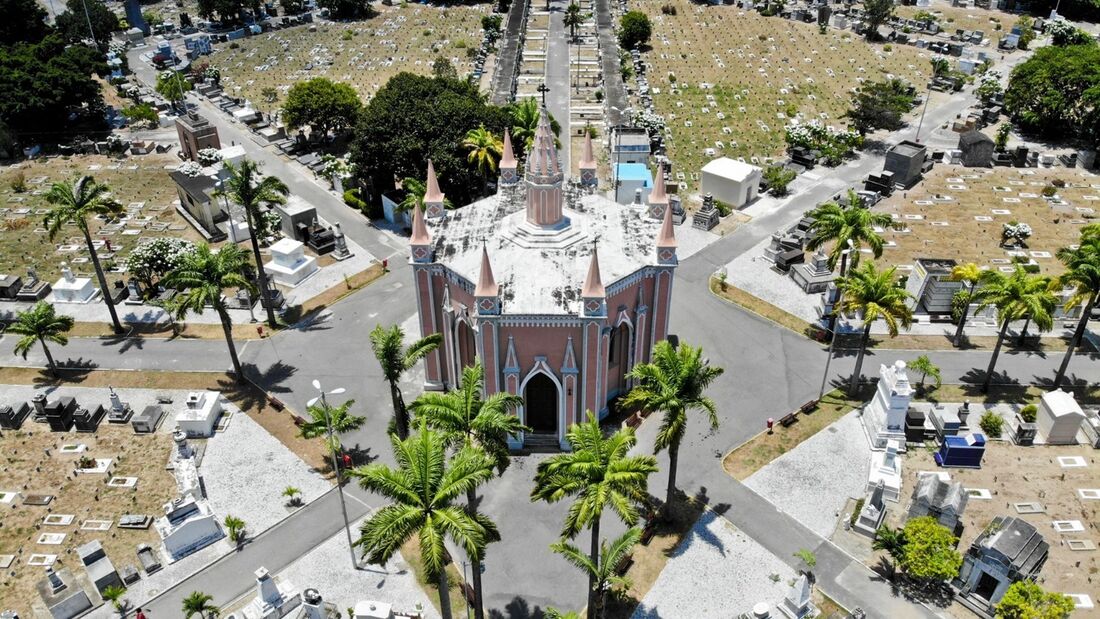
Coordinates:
<point>419,229</point>
<point>587,158</point>
<point>593,285</point>
<point>667,236</point>
<point>659,195</point>
<point>486,285</point>
<point>508,158</point>
<point>543,159</point>
<point>432,194</point>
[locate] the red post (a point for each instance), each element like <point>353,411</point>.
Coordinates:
<point>771,424</point>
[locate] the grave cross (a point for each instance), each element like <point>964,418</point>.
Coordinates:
<point>543,89</point>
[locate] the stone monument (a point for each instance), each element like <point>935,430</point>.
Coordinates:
<point>289,265</point>
<point>72,289</point>
<point>341,251</point>
<point>120,411</point>
<point>884,416</point>
<point>33,289</point>
<point>815,276</point>
<point>886,471</point>
<point>797,603</point>
<point>706,217</point>
<point>273,600</point>
<point>872,513</point>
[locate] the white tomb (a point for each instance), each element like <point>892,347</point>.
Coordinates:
<point>187,526</point>
<point>72,289</point>
<point>886,470</point>
<point>734,182</point>
<point>201,414</point>
<point>371,609</point>
<point>797,603</point>
<point>289,264</point>
<point>1059,418</point>
<point>273,600</point>
<point>884,416</point>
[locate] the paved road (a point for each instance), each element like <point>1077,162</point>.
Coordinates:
<point>508,55</point>
<point>557,75</point>
<point>614,91</point>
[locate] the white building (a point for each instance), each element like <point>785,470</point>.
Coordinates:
<point>886,470</point>
<point>884,416</point>
<point>734,182</point>
<point>201,414</point>
<point>187,526</point>
<point>289,263</point>
<point>1059,418</point>
<point>72,289</point>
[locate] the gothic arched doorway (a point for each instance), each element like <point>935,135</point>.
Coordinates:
<point>465,347</point>
<point>540,404</point>
<point>618,360</point>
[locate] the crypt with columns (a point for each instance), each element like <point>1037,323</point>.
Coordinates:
<point>558,291</point>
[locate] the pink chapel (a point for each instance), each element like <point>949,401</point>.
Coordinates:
<point>558,291</point>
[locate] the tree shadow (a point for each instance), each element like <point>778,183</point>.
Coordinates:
<point>271,379</point>
<point>976,376</point>
<point>314,320</point>
<point>518,608</point>
<point>123,341</point>
<point>360,455</point>
<point>64,375</point>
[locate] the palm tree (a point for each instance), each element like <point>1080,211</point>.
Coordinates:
<point>423,487</point>
<point>198,603</point>
<point>1083,274</point>
<point>74,203</point>
<point>573,18</point>
<point>604,572</point>
<point>235,527</point>
<point>969,273</point>
<point>485,151</point>
<point>465,420</point>
<point>926,368</point>
<point>893,542</point>
<point>321,415</point>
<point>113,594</point>
<point>525,121</point>
<point>838,225</point>
<point>872,294</point>
<point>41,324</point>
<point>414,196</point>
<point>600,473</point>
<point>203,276</point>
<point>389,348</point>
<point>245,187</point>
<point>1015,297</point>
<point>674,382</point>
<point>293,495</point>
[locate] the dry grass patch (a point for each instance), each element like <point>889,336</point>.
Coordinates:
<point>1005,393</point>
<point>968,18</point>
<point>410,550</point>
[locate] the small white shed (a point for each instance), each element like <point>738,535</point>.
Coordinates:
<point>734,182</point>
<point>1059,418</point>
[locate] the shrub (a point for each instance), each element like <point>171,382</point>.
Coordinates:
<point>18,181</point>
<point>634,29</point>
<point>959,302</point>
<point>723,208</point>
<point>992,424</point>
<point>778,178</point>
<point>1050,191</point>
<point>1029,412</point>
<point>1058,182</point>
<point>855,513</point>
<point>150,261</point>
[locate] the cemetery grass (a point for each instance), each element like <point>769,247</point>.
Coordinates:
<point>964,18</point>
<point>249,398</point>
<point>23,241</point>
<point>754,454</point>
<point>1018,394</point>
<point>410,550</point>
<point>25,468</point>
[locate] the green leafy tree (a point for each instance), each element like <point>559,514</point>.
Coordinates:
<point>926,368</point>
<point>1025,599</point>
<point>414,118</point>
<point>235,526</point>
<point>1000,139</point>
<point>292,7</point>
<point>1054,92</point>
<point>779,179</point>
<point>226,11</point>
<point>1017,296</point>
<point>415,189</point>
<point>347,9</point>
<point>880,105</point>
<point>1064,33</point>
<point>321,415</point>
<point>204,277</point>
<point>423,488</point>
<point>634,30</point>
<point>1083,275</point>
<point>40,324</point>
<point>674,382</point>
<point>989,89</point>
<point>941,67</point>
<point>173,85</point>
<point>553,613</point>
<point>395,359</point>
<point>149,262</point>
<point>893,542</point>
<point>322,104</point>
<point>573,19</point>
<point>246,186</point>
<point>142,113</point>
<point>1027,30</point>
<point>598,472</point>
<point>930,553</point>
<point>969,273</point>
<point>73,23</point>
<point>837,225</point>
<point>465,420</point>
<point>485,150</point>
<point>113,594</point>
<point>873,295</point>
<point>443,69</point>
<point>198,603</point>
<point>525,121</point>
<point>74,202</point>
<point>604,573</point>
<point>876,13</point>
<point>24,22</point>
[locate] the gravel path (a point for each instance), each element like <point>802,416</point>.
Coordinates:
<point>716,567</point>
<point>245,470</point>
<point>813,481</point>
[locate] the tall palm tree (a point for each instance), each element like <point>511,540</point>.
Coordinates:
<point>968,273</point>
<point>674,383</point>
<point>423,487</point>
<point>599,472</point>
<point>203,276</point>
<point>247,187</point>
<point>465,420</point>
<point>322,414</point>
<point>572,19</point>
<point>199,603</point>
<point>1083,274</point>
<point>605,571</point>
<point>525,121</point>
<point>485,151</point>
<point>41,324</point>
<point>838,225</point>
<point>74,202</point>
<point>389,348</point>
<point>1015,297</point>
<point>872,294</point>
<point>893,542</point>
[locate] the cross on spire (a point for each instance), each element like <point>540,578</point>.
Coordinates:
<point>543,89</point>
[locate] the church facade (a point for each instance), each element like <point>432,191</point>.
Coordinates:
<point>558,292</point>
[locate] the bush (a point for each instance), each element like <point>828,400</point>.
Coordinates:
<point>723,208</point>
<point>634,29</point>
<point>778,178</point>
<point>18,181</point>
<point>959,302</point>
<point>992,424</point>
<point>369,210</point>
<point>855,513</point>
<point>1029,412</point>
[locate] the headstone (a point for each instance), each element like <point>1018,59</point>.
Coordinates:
<point>797,603</point>
<point>884,417</point>
<point>33,289</point>
<point>120,411</point>
<point>706,217</point>
<point>341,251</point>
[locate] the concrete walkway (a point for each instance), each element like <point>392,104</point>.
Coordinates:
<point>504,76</point>
<point>614,92</point>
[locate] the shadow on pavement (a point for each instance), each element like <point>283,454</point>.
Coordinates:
<point>518,608</point>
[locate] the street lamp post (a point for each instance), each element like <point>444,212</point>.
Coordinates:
<point>832,329</point>
<point>335,462</point>
<point>927,98</point>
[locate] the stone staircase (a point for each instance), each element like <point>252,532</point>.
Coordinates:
<point>536,442</point>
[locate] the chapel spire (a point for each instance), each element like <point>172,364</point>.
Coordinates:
<point>433,197</point>
<point>587,164</point>
<point>658,198</point>
<point>666,239</point>
<point>508,165</point>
